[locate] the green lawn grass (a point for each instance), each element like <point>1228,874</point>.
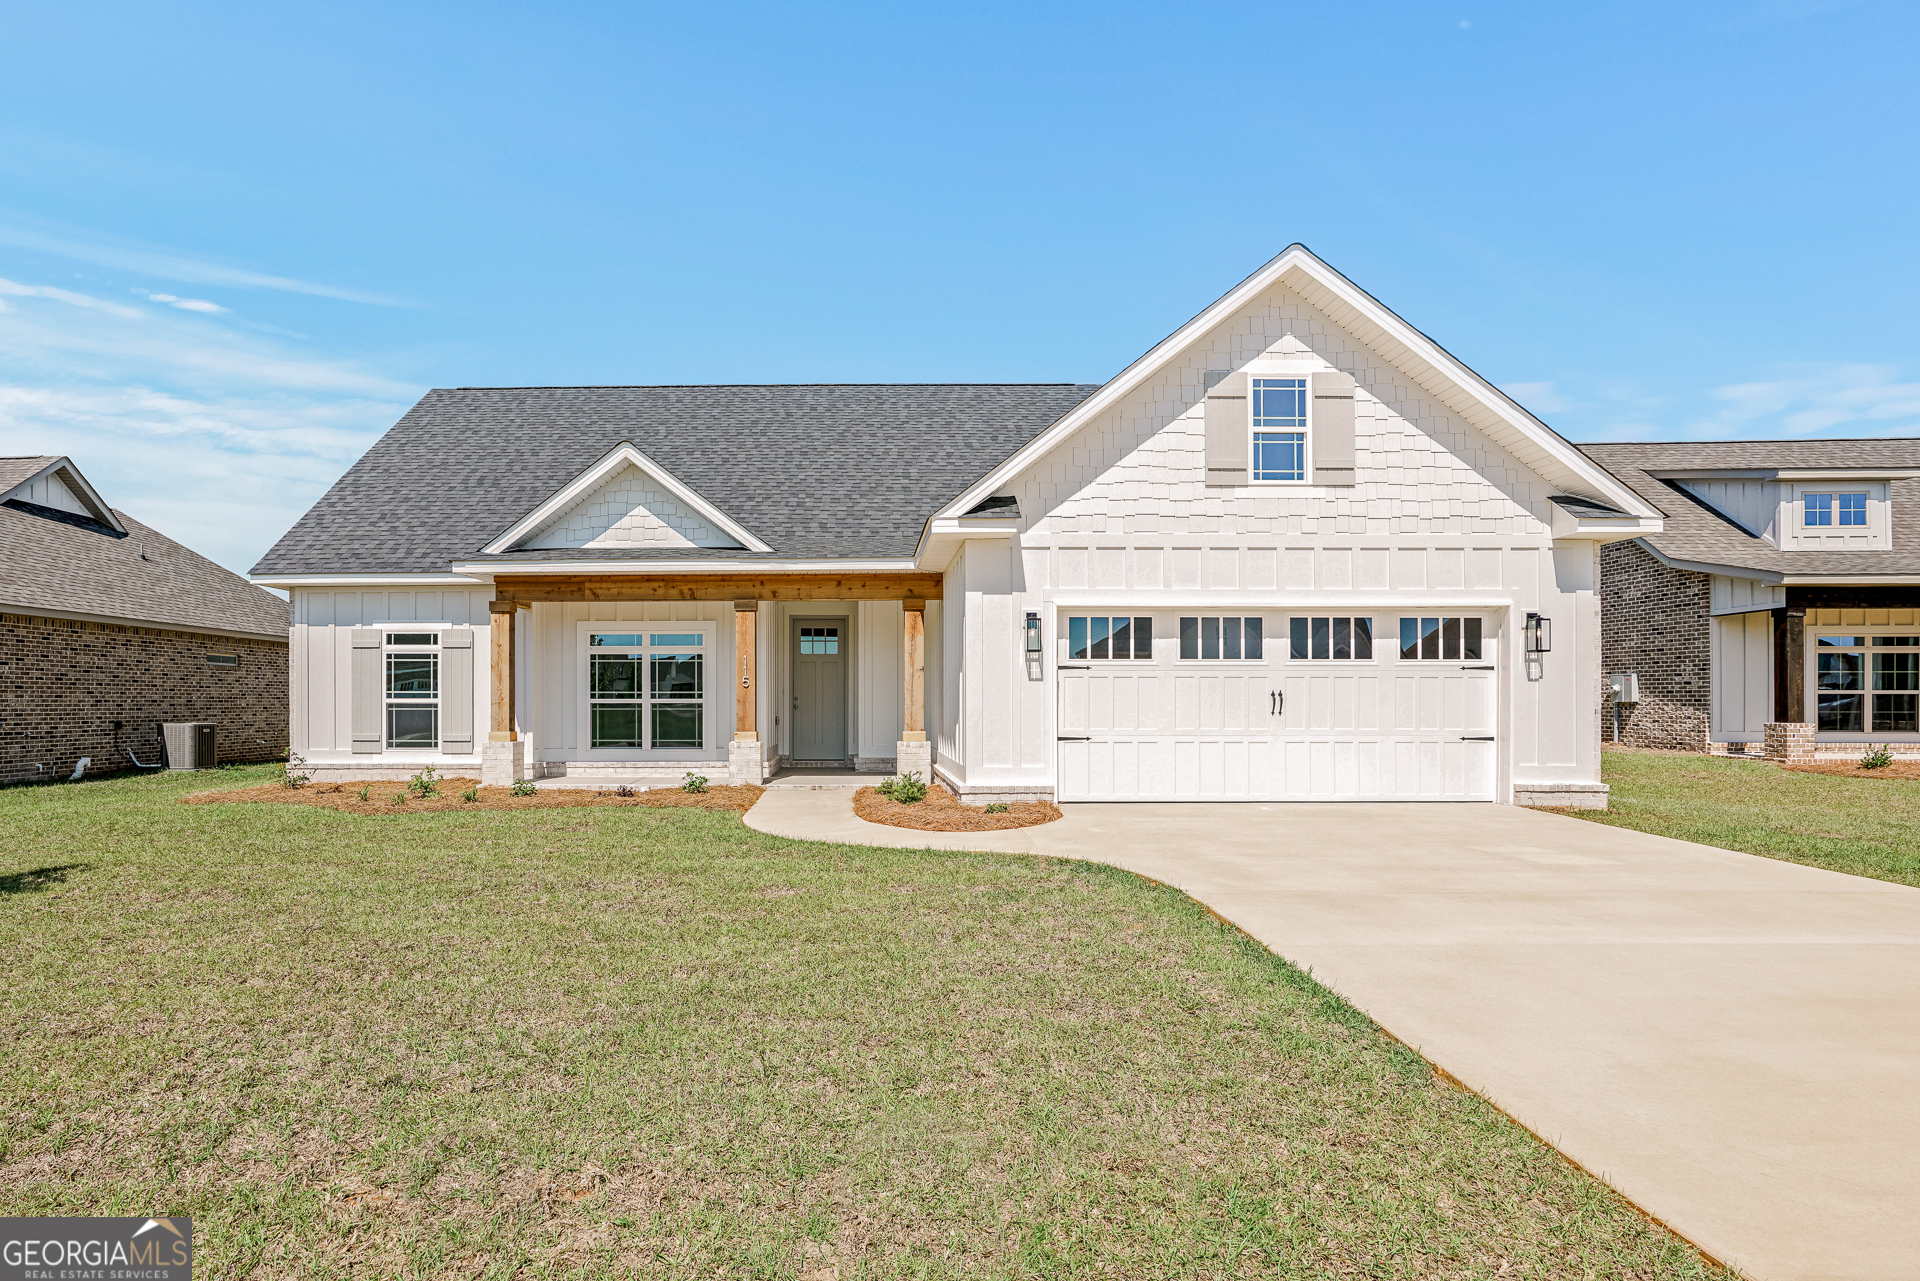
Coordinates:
<point>657,1043</point>
<point>1866,826</point>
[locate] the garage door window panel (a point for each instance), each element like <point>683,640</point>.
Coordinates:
<point>1223,639</point>
<point>1443,639</point>
<point>1109,637</point>
<point>1334,639</point>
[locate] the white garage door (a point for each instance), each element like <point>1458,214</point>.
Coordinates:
<point>1365,714</point>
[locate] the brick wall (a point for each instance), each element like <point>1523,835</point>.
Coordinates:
<point>1655,621</point>
<point>64,683</point>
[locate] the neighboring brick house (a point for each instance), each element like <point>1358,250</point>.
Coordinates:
<point>108,629</point>
<point>1296,551</point>
<point>1783,591</point>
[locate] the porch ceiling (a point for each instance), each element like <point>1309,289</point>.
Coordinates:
<point>548,588</point>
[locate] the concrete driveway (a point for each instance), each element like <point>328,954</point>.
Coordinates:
<point>1733,1042</point>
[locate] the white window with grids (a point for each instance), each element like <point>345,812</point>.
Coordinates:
<point>646,688</point>
<point>413,691</point>
<point>1336,639</point>
<point>1866,683</point>
<point>1278,449</point>
<point>1836,515</point>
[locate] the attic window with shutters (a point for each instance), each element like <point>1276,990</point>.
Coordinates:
<point>1296,430</point>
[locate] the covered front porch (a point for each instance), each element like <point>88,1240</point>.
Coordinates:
<point>641,678</point>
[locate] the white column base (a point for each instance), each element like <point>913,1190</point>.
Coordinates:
<point>914,758</point>
<point>502,764</point>
<point>746,765</point>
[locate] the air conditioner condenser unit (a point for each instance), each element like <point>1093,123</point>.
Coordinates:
<point>190,744</point>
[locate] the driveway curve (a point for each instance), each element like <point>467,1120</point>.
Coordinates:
<point>1731,1041</point>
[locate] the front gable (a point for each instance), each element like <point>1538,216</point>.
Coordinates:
<point>1436,442</point>
<point>625,501</point>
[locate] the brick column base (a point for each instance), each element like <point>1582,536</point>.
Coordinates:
<point>502,764</point>
<point>1789,740</point>
<point>745,764</point>
<point>914,758</point>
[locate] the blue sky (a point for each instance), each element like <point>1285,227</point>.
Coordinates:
<point>236,241</point>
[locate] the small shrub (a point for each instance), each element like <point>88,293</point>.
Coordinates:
<point>293,773</point>
<point>364,789</point>
<point>523,787</point>
<point>623,790</point>
<point>998,807</point>
<point>471,794</point>
<point>1878,758</point>
<point>904,789</point>
<point>399,798</point>
<point>695,782</point>
<point>424,784</point>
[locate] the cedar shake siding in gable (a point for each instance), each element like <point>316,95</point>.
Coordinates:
<point>63,684</point>
<point>1656,622</point>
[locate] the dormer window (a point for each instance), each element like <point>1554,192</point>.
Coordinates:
<point>1823,509</point>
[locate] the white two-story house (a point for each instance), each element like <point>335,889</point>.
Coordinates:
<point>1297,551</point>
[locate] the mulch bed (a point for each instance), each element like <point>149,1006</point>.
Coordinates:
<point>345,797</point>
<point>942,811</point>
<point>1848,769</point>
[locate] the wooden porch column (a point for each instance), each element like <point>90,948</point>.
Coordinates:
<point>914,670</point>
<point>500,724</point>
<point>745,615</point>
<point>1790,664</point>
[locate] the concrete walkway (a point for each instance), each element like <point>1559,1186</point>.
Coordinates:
<point>1733,1042</point>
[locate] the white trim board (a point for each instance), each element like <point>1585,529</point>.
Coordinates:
<point>621,455</point>
<point>1435,369</point>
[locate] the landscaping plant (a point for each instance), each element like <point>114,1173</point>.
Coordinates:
<point>399,798</point>
<point>998,807</point>
<point>471,794</point>
<point>904,789</point>
<point>1878,758</point>
<point>292,773</point>
<point>364,789</point>
<point>523,787</point>
<point>623,790</point>
<point>695,782</point>
<point>424,784</point>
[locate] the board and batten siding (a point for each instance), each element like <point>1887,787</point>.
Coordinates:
<point>320,710</point>
<point>1121,511</point>
<point>1742,658</point>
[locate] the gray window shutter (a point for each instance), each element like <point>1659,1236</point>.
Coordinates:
<point>456,691</point>
<point>369,693</point>
<point>1227,426</point>
<point>1332,426</point>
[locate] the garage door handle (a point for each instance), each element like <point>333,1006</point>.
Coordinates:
<point>1484,667</point>
<point>1276,701</point>
<point>1073,738</point>
<point>1483,738</point>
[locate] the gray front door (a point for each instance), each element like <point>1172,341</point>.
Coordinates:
<point>819,689</point>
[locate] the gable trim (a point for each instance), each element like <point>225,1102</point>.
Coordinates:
<point>621,455</point>
<point>1532,441</point>
<point>63,470</point>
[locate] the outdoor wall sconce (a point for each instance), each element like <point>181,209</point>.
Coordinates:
<point>1538,634</point>
<point>1033,632</point>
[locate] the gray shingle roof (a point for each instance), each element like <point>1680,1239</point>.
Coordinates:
<point>52,561</point>
<point>813,471</point>
<point>1695,532</point>
<point>17,468</point>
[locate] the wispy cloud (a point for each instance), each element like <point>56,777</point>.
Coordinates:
<point>185,304</point>
<point>1804,400</point>
<point>171,264</point>
<point>14,289</point>
<point>217,436</point>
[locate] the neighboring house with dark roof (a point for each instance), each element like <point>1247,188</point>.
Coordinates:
<point>1783,589</point>
<point>1297,551</point>
<point>108,629</point>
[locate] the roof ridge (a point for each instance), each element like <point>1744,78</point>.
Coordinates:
<point>1763,440</point>
<point>716,386</point>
